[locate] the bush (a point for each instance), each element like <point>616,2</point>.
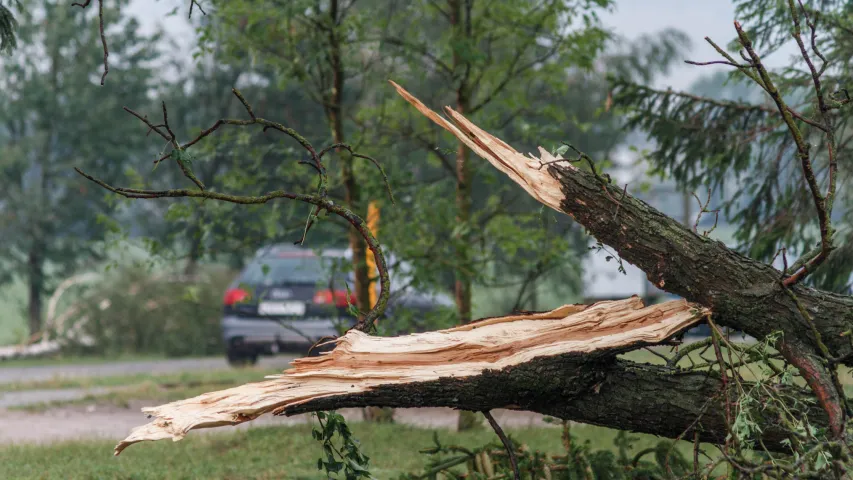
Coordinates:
<point>134,310</point>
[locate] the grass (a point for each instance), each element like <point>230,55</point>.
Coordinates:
<point>76,360</point>
<point>126,388</point>
<point>150,391</point>
<point>230,376</point>
<point>267,453</point>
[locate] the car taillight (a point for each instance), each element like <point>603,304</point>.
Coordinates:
<point>323,297</point>
<point>339,298</point>
<point>234,295</point>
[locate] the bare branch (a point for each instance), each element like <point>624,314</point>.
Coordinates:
<point>803,148</point>
<point>506,441</point>
<point>320,200</point>
<point>194,3</point>
<point>366,157</point>
<point>103,37</point>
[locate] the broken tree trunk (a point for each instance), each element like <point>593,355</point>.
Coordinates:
<point>540,362</point>
<point>562,363</point>
<point>743,293</point>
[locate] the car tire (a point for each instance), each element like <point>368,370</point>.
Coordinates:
<point>239,359</point>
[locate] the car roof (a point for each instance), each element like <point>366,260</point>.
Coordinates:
<point>294,251</point>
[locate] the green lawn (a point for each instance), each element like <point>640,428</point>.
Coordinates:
<point>76,360</point>
<point>265,453</point>
<point>227,376</point>
<point>154,388</point>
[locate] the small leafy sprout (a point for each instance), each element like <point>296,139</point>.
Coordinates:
<point>351,308</point>
<point>345,457</point>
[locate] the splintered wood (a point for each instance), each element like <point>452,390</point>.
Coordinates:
<point>529,172</point>
<point>361,362</point>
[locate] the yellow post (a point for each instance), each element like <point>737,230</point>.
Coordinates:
<point>373,226</point>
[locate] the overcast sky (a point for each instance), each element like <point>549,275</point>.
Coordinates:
<point>631,18</point>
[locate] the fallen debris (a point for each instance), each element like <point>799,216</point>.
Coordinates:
<point>362,364</point>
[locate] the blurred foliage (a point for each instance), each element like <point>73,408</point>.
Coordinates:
<point>8,26</point>
<point>54,119</point>
<point>731,138</point>
<point>243,161</point>
<point>134,310</point>
<point>528,81</point>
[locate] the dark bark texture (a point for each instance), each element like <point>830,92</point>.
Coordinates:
<point>599,391</point>
<point>743,293</point>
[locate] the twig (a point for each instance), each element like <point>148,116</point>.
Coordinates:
<point>696,453</point>
<point>196,4</point>
<point>703,208</point>
<point>686,350</point>
<point>821,203</point>
<point>715,336</point>
<point>319,200</point>
<point>506,441</point>
<point>658,354</point>
<point>366,157</point>
<point>103,37</point>
<point>716,62</point>
<point>683,433</point>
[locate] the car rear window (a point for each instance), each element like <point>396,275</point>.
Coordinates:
<point>302,269</point>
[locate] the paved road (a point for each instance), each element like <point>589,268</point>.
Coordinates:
<point>48,372</point>
<point>74,423</point>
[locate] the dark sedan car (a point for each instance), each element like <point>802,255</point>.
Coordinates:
<point>289,297</point>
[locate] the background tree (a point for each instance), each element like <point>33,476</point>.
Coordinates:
<point>750,167</point>
<point>317,48</point>
<point>235,159</point>
<point>46,84</point>
<point>479,51</point>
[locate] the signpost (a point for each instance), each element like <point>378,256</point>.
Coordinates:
<point>372,272</point>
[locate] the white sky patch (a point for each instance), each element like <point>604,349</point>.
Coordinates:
<point>630,18</point>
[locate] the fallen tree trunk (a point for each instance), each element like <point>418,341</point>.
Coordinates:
<point>538,362</point>
<point>743,293</point>
<point>562,363</point>
<point>559,363</point>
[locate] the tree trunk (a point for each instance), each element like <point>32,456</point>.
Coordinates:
<point>562,363</point>
<point>462,286</point>
<point>463,178</point>
<point>35,281</point>
<point>194,255</point>
<point>351,191</point>
<point>743,293</point>
<point>39,226</point>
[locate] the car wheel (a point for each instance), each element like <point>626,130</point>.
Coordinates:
<point>239,359</point>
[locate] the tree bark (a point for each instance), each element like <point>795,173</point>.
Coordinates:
<point>351,191</point>
<point>462,287</point>
<point>35,281</point>
<point>562,363</point>
<point>743,293</point>
<point>558,363</point>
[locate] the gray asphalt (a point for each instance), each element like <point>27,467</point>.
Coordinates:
<point>48,372</point>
